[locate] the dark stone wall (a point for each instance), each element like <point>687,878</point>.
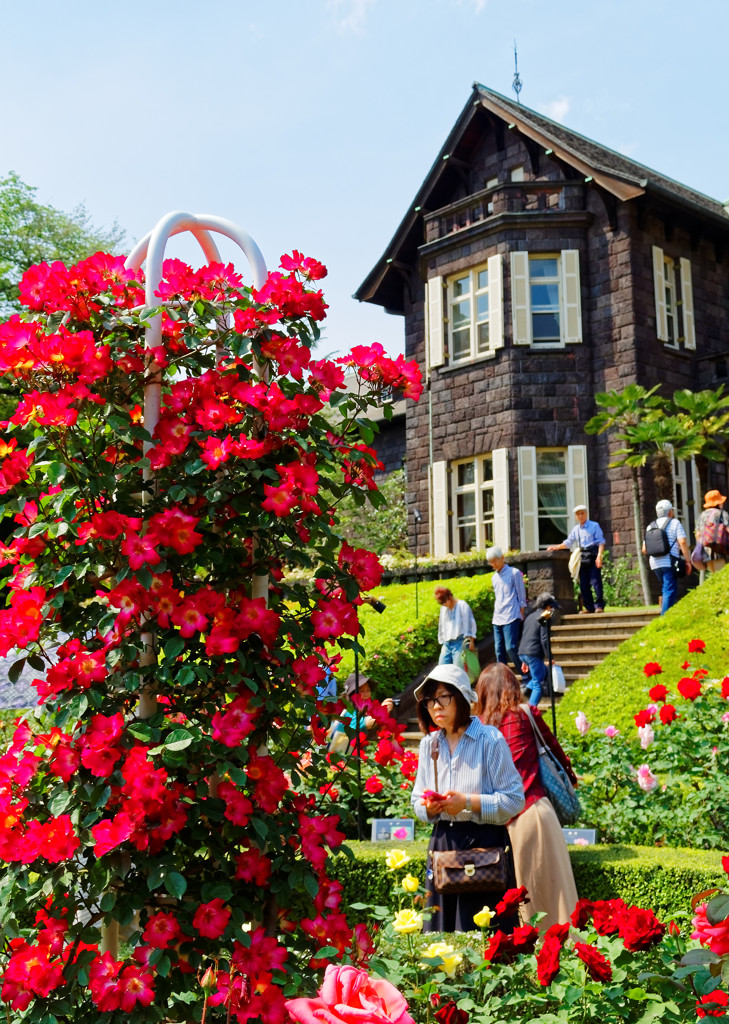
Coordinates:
<point>522,396</point>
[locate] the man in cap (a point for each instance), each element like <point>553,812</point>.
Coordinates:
<point>588,536</point>
<point>676,546</point>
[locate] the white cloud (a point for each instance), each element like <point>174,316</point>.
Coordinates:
<point>556,109</point>
<point>350,15</point>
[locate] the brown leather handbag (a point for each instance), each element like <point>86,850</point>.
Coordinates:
<point>480,870</point>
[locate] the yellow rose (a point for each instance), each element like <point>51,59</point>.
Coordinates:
<point>407,921</point>
<point>444,952</point>
<point>484,917</point>
<point>396,859</point>
<point>410,883</point>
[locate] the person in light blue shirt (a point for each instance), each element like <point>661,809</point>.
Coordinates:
<point>509,604</point>
<point>662,565</point>
<point>588,536</point>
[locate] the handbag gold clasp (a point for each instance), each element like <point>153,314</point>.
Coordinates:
<point>469,869</point>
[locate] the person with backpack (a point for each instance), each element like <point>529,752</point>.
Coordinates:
<point>712,531</point>
<point>669,556</point>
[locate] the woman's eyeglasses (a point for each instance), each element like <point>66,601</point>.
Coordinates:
<point>441,701</point>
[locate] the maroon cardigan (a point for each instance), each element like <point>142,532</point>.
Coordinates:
<point>517,731</point>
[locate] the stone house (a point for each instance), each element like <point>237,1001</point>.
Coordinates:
<point>533,269</point>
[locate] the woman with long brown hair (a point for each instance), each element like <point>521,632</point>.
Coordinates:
<point>540,853</point>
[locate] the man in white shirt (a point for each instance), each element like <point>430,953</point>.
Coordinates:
<point>509,604</point>
<point>455,624</point>
<point>662,565</point>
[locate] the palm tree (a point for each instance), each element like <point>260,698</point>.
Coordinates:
<point>623,411</point>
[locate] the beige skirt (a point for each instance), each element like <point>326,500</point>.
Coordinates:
<point>542,864</point>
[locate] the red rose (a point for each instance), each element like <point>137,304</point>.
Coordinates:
<point>715,936</point>
<point>668,714</point>
<point>725,687</point>
<point>525,938</point>
<point>643,718</point>
<point>711,1005</point>
<point>658,692</point>
<point>450,1014</point>
<point>608,916</point>
<point>673,928</point>
<point>548,955</point>
<point>689,688</point>
<point>725,864</point>
<point>373,785</point>
<point>640,929</point>
<point>500,949</point>
<point>652,669</point>
<point>512,899</point>
<point>696,646</point>
<point>582,914</point>
<point>598,966</point>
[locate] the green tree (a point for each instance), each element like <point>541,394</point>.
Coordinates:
<point>378,528</point>
<point>31,232</point>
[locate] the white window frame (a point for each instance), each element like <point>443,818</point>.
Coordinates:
<point>443,490</point>
<point>479,488</point>
<point>570,311</point>
<point>439,299</point>
<point>575,477</point>
<point>474,351</point>
<point>673,295</point>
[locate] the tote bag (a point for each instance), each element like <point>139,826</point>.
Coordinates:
<point>555,780</point>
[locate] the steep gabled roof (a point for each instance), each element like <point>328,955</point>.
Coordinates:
<point>624,178</point>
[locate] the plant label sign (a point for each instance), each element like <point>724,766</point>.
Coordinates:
<point>385,830</point>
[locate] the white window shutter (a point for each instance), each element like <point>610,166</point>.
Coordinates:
<point>576,478</point>
<point>439,481</point>
<point>528,524</point>
<point>496,302</point>
<point>571,303</point>
<point>502,517</point>
<point>521,312</point>
<point>435,331</point>
<point>659,288</point>
<point>687,305</point>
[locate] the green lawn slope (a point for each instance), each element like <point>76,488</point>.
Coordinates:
<point>618,688</point>
<point>398,644</point>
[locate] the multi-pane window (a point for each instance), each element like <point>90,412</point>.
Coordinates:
<point>551,472</point>
<point>544,288</point>
<point>473,502</point>
<point>468,308</point>
<point>674,295</point>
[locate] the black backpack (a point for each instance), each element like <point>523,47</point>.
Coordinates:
<point>656,540</point>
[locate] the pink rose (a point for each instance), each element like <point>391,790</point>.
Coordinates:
<point>715,936</point>
<point>646,779</point>
<point>647,736</point>
<point>350,996</point>
<point>399,833</point>
<point>611,732</point>
<point>581,723</point>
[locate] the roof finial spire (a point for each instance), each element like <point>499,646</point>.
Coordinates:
<point>516,83</point>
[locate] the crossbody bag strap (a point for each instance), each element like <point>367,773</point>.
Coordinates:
<point>541,745</point>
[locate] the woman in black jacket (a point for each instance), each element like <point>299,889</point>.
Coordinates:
<point>534,644</point>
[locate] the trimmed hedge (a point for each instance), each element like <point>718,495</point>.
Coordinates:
<point>659,878</point>
<point>398,644</point>
<point>613,692</point>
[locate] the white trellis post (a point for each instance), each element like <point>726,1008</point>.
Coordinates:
<point>152,249</point>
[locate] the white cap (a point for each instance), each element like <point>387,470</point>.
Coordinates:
<point>579,508</point>
<point>453,676</point>
<point>663,507</point>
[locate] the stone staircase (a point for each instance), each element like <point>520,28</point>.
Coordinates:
<point>580,642</point>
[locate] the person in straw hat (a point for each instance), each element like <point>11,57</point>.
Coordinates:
<point>712,531</point>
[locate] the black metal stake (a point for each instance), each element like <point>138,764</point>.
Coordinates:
<point>548,623</point>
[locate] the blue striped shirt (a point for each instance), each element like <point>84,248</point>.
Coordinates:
<point>674,531</point>
<point>586,535</point>
<point>456,622</point>
<point>481,763</point>
<point>509,595</point>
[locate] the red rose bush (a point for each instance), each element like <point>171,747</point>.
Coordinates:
<point>167,789</point>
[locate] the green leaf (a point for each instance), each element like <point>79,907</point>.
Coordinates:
<point>717,909</point>
<point>175,884</point>
<point>15,669</point>
<point>59,802</point>
<point>173,648</point>
<point>37,663</point>
<point>107,901</point>
<point>38,528</point>
<point>62,575</point>
<point>178,739</point>
<point>215,891</point>
<point>699,956</point>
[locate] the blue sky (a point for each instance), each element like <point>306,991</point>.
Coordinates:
<point>311,123</point>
